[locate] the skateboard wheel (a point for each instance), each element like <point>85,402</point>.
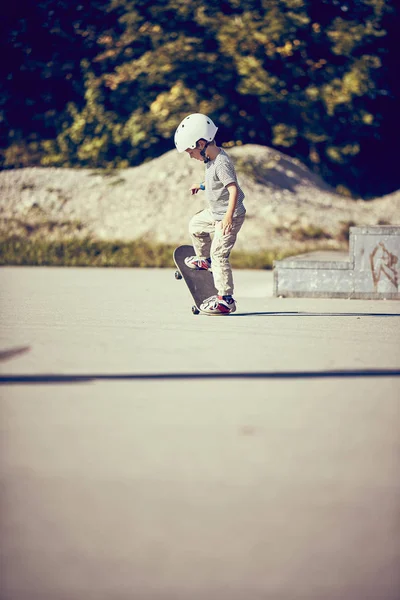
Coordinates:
<point>178,275</point>
<point>195,310</point>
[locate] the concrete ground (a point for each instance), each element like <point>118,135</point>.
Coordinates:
<point>148,453</point>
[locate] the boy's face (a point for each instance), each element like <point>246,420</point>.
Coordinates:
<point>195,152</point>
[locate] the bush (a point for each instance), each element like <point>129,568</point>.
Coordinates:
<point>96,253</point>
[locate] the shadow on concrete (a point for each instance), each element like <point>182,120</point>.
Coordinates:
<point>312,314</point>
<point>90,378</point>
<point>13,352</point>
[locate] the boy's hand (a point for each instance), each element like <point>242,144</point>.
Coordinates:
<point>194,188</point>
<point>226,225</point>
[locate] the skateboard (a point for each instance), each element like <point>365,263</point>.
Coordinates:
<point>199,282</point>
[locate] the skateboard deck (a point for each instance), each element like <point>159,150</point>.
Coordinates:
<point>199,282</point>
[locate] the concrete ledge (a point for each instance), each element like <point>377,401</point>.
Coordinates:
<point>317,260</point>
<point>370,270</point>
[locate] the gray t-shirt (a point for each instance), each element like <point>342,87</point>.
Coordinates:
<point>220,172</point>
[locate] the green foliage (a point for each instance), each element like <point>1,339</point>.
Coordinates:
<point>108,82</point>
<point>311,232</point>
<point>73,252</point>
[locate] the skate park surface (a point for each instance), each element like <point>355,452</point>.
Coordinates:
<point>148,453</point>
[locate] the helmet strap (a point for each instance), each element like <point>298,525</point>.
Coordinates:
<point>203,154</point>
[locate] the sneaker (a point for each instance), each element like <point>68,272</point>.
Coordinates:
<point>218,305</point>
<point>194,262</point>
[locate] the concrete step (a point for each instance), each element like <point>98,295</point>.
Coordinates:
<point>370,270</point>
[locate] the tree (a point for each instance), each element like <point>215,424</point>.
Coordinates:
<point>43,43</point>
<point>314,79</point>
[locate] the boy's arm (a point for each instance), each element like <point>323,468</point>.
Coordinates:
<point>196,187</point>
<point>227,220</point>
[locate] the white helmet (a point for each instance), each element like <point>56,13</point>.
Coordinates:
<point>192,129</point>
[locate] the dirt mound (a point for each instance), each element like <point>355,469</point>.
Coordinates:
<point>287,205</point>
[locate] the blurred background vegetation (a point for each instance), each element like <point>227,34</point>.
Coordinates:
<point>104,83</point>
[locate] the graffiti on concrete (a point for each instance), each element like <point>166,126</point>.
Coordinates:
<point>383,266</point>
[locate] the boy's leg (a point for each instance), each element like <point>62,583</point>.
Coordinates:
<point>220,250</point>
<point>200,227</point>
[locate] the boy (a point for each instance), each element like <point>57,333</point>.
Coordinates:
<point>223,218</point>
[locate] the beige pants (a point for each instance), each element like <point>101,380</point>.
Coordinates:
<point>201,226</point>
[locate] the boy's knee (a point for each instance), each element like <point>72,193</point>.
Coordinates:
<point>197,231</point>
<point>192,228</point>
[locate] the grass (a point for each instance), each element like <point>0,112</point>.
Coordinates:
<point>310,232</point>
<point>16,250</point>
